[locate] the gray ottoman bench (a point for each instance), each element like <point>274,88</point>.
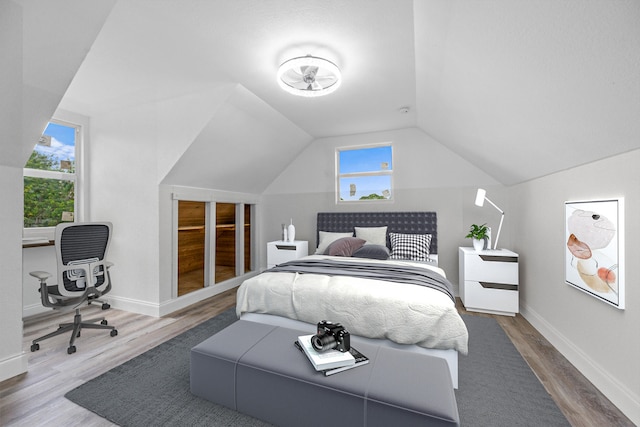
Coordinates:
<point>255,369</point>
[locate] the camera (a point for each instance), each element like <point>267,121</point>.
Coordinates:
<point>331,336</point>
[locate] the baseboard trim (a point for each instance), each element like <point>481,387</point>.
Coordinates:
<point>184,301</point>
<point>620,395</point>
<point>13,365</point>
<point>34,310</point>
<point>133,305</point>
<point>167,307</point>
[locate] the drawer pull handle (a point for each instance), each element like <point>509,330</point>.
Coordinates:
<point>503,286</point>
<point>498,258</point>
<point>286,247</point>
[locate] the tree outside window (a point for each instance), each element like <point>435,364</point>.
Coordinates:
<point>50,178</point>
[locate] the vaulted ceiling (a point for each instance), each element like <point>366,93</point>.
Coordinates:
<point>521,88</point>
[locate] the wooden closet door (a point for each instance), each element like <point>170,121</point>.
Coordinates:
<point>191,246</point>
<point>225,255</point>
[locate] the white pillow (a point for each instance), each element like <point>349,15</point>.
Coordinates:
<point>327,237</point>
<point>373,235</point>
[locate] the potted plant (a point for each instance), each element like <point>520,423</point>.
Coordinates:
<point>479,234</point>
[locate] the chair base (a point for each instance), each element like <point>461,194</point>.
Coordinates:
<point>105,305</point>
<point>75,329</point>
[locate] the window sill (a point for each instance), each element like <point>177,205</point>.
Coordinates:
<point>34,242</point>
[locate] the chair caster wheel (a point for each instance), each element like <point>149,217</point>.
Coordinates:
<point>104,322</point>
<point>71,349</point>
<point>114,332</point>
<point>106,306</point>
<point>35,347</point>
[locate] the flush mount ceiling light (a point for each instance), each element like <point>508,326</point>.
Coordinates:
<point>309,76</point>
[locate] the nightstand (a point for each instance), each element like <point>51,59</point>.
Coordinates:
<point>489,280</point>
<point>279,251</point>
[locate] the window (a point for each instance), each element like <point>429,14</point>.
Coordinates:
<point>50,179</point>
<point>364,173</point>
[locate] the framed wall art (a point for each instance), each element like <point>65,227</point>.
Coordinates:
<point>594,248</point>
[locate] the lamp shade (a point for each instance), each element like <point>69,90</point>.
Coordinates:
<point>480,195</point>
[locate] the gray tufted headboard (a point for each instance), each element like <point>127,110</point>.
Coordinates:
<point>396,222</point>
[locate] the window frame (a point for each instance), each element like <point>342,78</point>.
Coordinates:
<point>80,125</point>
<point>388,172</point>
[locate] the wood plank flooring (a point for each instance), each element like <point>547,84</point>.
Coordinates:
<point>36,398</point>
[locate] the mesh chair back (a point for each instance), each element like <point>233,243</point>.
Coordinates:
<point>82,243</point>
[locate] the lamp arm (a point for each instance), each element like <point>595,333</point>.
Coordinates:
<point>495,245</point>
<point>494,205</point>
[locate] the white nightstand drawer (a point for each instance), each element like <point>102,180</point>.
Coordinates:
<point>489,281</point>
<point>498,297</point>
<point>282,252</point>
<point>279,252</point>
<point>491,268</point>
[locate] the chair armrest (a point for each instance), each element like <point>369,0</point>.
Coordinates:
<point>40,275</point>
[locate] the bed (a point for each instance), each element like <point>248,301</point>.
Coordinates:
<point>403,301</point>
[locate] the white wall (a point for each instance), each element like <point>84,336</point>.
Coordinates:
<point>123,167</point>
<point>601,341</point>
<point>427,176</point>
<point>30,93</point>
<point>132,150</point>
<point>42,258</point>
<point>242,147</point>
<point>13,360</point>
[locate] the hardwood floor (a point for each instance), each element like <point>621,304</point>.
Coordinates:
<point>579,400</point>
<point>37,397</point>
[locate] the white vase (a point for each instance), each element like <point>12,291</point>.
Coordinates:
<point>478,244</point>
<point>291,231</point>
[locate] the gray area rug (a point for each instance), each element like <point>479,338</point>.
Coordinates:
<point>497,388</point>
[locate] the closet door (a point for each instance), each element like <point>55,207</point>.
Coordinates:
<point>191,246</point>
<point>248,233</point>
<point>225,254</point>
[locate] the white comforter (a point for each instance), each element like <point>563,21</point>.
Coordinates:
<point>403,313</point>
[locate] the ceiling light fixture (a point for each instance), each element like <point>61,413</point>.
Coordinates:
<point>309,76</point>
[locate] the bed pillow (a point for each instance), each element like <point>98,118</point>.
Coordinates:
<point>413,247</point>
<point>372,252</point>
<point>326,238</point>
<point>345,246</point>
<point>373,235</point>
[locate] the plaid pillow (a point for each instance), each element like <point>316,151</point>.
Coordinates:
<point>413,247</point>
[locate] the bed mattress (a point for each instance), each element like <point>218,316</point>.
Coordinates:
<point>404,313</point>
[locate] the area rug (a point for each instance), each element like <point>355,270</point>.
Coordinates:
<point>496,386</point>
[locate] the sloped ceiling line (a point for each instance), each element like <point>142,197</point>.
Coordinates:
<point>518,88</point>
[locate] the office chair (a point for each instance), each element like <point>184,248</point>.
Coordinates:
<point>83,276</point>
